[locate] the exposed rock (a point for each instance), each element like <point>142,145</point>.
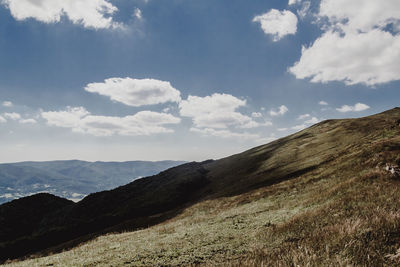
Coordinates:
<point>393,169</point>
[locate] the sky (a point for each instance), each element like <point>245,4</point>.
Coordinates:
<point>119,80</point>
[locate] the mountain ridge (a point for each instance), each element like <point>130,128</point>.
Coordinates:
<point>328,151</point>
<point>72,179</point>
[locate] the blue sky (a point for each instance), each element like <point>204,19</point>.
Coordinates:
<point>186,80</point>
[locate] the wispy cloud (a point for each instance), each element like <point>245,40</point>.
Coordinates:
<point>7,104</point>
<point>323,103</point>
<point>279,112</point>
<point>137,13</point>
<point>357,107</point>
<point>303,116</point>
<point>28,121</point>
<point>12,116</point>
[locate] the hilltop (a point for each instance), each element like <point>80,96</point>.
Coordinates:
<point>327,195</point>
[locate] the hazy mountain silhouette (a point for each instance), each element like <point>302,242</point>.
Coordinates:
<point>72,179</point>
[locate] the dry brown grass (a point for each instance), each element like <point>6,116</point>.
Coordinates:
<point>303,222</point>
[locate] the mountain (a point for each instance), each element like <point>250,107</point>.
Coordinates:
<point>327,195</point>
<point>72,179</point>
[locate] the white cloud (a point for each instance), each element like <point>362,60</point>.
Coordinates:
<point>216,111</point>
<point>293,2</point>
<point>137,13</point>
<point>69,118</point>
<point>256,115</point>
<point>304,125</point>
<point>277,23</point>
<point>281,111</point>
<point>368,58</point>
<point>313,120</point>
<point>355,48</point>
<point>26,121</point>
<point>304,10</point>
<point>2,119</point>
<point>7,104</point>
<point>89,13</point>
<point>136,92</point>
<point>363,15</point>
<point>12,116</point>
<point>322,103</point>
<point>195,105</point>
<point>81,121</point>
<point>357,107</point>
<point>304,116</point>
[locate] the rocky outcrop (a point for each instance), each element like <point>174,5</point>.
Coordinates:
<point>393,169</point>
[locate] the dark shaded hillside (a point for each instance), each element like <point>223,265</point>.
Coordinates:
<point>330,149</point>
<point>72,179</point>
<point>136,205</point>
<point>22,217</point>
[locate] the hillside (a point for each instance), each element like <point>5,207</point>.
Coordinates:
<point>328,195</point>
<point>72,179</point>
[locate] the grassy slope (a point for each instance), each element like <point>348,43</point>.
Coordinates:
<point>318,197</point>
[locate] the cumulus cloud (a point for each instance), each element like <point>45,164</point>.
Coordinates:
<point>281,111</point>
<point>356,108</point>
<point>2,119</point>
<point>12,116</point>
<point>368,58</point>
<point>136,92</point>
<point>89,13</point>
<point>277,23</point>
<point>322,103</point>
<point>216,111</point>
<point>81,121</point>
<point>361,49</point>
<point>7,104</point>
<point>363,15</point>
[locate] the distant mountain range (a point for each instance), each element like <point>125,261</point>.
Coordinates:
<point>72,179</point>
